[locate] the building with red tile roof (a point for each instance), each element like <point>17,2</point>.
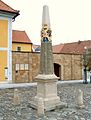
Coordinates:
<point>72,48</point>
<point>7,15</point>
<point>69,48</point>
<point>6,9</point>
<point>20,37</point>
<point>36,48</point>
<point>21,41</point>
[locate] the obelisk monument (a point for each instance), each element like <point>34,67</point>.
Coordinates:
<point>46,79</point>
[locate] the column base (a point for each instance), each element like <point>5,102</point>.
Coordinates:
<point>47,90</point>
<point>49,104</point>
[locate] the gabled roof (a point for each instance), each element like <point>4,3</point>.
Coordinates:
<point>5,8</point>
<point>74,47</point>
<point>20,37</point>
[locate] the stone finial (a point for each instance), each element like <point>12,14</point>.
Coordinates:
<point>16,98</point>
<point>46,31</point>
<point>40,106</point>
<point>80,103</point>
<point>45,16</point>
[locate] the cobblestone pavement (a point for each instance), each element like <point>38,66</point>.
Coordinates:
<point>9,111</point>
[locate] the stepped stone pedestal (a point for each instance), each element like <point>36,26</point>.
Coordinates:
<point>47,90</point>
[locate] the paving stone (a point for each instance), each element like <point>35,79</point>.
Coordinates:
<point>82,118</point>
<point>8,111</point>
<point>77,118</point>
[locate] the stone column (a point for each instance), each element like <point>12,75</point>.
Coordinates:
<point>46,79</point>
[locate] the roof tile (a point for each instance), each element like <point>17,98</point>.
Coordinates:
<point>20,37</point>
<point>75,47</point>
<point>57,48</point>
<point>5,7</point>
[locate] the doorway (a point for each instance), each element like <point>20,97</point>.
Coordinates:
<point>57,70</point>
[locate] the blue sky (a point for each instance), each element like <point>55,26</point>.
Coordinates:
<point>70,19</point>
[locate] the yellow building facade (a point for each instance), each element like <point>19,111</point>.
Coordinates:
<point>3,48</point>
<point>7,14</point>
<point>21,42</point>
<point>22,47</point>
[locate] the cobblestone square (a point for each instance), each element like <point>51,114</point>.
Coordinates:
<point>67,93</point>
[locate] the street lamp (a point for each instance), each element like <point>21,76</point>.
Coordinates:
<point>85,62</point>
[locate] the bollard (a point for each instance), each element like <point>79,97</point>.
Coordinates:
<point>80,103</point>
<point>16,98</point>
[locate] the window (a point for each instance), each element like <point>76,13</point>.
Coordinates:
<point>26,66</point>
<point>21,66</point>
<point>18,48</point>
<point>6,72</point>
<point>17,66</point>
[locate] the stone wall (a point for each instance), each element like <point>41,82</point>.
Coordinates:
<point>35,64</point>
<point>70,66</point>
<point>21,59</point>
